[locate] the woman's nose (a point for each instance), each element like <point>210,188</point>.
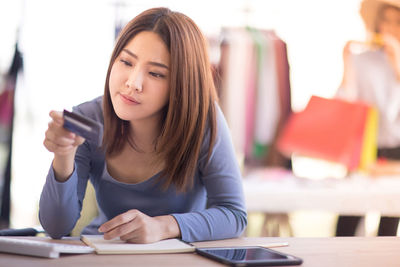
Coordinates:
<point>135,81</point>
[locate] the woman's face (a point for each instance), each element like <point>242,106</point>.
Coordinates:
<point>139,78</point>
<point>390,22</point>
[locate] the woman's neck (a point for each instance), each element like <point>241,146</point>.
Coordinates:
<point>145,133</point>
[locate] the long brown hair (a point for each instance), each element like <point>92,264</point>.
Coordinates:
<point>190,115</point>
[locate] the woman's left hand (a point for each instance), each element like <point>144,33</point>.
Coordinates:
<point>136,227</point>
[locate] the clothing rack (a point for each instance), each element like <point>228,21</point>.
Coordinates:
<point>254,91</point>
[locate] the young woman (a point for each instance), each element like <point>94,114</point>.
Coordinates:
<point>166,167</point>
<point>373,76</point>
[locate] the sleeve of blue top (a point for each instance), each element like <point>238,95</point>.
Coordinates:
<point>61,202</point>
<point>226,215</point>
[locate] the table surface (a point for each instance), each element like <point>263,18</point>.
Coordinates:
<point>333,251</point>
<point>279,191</point>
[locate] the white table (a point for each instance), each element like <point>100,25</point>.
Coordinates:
<point>315,252</point>
<point>279,191</point>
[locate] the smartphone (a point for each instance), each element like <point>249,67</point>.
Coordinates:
<point>249,256</point>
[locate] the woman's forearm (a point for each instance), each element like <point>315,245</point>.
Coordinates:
<point>63,167</point>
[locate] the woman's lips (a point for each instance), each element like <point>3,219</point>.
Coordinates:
<point>128,99</point>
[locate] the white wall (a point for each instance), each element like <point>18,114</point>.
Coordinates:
<point>66,47</point>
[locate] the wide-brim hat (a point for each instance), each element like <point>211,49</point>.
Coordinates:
<point>369,10</point>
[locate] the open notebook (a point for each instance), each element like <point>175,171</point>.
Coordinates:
<point>117,246</point>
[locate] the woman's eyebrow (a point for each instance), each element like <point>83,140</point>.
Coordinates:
<point>158,64</point>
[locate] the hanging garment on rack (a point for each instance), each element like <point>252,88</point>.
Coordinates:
<point>6,117</point>
<point>268,106</point>
<point>274,157</point>
<point>238,49</point>
<point>251,99</point>
<point>6,105</point>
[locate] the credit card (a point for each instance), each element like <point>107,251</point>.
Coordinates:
<point>82,126</point>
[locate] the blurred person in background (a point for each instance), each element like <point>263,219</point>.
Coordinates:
<point>372,75</point>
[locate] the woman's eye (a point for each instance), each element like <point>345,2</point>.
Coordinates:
<point>125,62</point>
<point>157,75</point>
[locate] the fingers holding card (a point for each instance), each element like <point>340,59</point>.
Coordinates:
<point>67,130</point>
<point>82,126</point>
<point>57,139</point>
<point>57,117</point>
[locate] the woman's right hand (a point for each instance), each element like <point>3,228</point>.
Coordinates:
<point>392,48</point>
<point>63,144</point>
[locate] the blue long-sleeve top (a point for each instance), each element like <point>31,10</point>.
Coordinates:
<point>214,208</point>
